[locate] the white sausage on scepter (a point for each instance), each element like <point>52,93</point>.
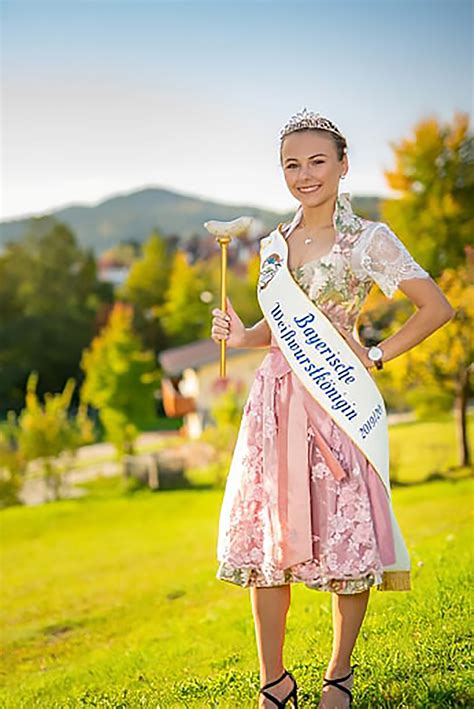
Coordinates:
<point>224,233</point>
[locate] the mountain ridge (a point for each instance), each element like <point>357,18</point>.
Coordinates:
<point>133,215</point>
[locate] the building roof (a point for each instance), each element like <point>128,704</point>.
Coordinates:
<point>195,355</point>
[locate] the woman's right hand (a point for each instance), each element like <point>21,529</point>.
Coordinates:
<point>227,326</point>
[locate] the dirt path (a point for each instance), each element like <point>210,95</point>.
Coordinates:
<point>91,462</point>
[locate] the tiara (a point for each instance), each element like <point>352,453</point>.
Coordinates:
<point>308,119</point>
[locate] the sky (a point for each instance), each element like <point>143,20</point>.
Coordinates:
<point>106,97</point>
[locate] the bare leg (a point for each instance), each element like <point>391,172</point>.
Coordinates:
<point>348,612</point>
<point>270,607</point>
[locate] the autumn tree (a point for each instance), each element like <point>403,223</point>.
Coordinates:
<point>434,216</point>
<point>434,176</point>
<point>442,364</point>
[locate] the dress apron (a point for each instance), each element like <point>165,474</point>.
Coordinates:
<point>271,508</point>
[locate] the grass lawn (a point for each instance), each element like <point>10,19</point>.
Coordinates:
<point>421,449</point>
<point>111,601</point>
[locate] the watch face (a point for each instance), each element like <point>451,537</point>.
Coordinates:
<point>375,353</point>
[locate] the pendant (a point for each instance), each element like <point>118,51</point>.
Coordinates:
<point>308,241</point>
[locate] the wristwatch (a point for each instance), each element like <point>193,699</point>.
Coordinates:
<point>375,354</point>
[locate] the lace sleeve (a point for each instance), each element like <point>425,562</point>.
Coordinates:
<point>386,260</point>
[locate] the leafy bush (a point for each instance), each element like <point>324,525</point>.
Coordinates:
<point>46,435</point>
<point>226,412</point>
<point>12,464</point>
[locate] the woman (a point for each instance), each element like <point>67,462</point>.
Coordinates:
<point>343,537</point>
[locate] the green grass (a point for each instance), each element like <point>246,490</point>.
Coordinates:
<point>112,601</point>
<point>422,448</point>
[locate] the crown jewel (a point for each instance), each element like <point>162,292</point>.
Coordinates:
<point>308,119</point>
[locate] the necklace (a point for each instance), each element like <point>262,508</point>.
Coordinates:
<point>309,239</point>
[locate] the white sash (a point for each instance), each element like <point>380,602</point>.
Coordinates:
<point>326,365</point>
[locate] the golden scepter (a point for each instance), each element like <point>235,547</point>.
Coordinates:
<point>224,233</point>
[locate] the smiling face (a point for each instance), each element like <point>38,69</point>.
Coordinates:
<point>311,166</point>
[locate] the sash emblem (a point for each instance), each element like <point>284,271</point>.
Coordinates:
<point>269,268</point>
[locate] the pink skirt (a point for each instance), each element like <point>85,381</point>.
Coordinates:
<point>301,503</point>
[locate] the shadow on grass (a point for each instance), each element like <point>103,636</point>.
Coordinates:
<point>451,474</point>
<point>121,486</point>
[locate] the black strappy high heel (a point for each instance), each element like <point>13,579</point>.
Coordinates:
<point>335,682</point>
<point>280,703</point>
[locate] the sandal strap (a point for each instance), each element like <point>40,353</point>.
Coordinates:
<point>278,703</point>
<point>335,682</point>
<point>271,684</point>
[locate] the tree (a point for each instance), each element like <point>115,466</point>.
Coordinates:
<point>434,172</point>
<point>184,316</point>
<point>243,291</point>
<point>120,378</point>
<point>443,362</point>
<point>49,296</point>
<point>148,278</point>
<point>145,288</point>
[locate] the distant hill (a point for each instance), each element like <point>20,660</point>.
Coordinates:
<point>132,217</point>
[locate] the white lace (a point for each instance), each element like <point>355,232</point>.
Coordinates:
<point>381,255</point>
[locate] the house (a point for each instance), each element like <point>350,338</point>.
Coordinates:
<point>191,377</point>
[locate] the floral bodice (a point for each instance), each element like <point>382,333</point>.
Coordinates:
<point>364,252</point>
